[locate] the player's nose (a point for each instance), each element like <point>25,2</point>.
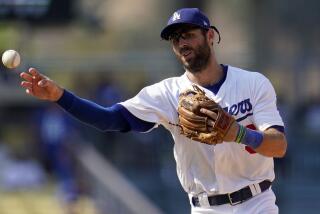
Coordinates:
<point>183,48</point>
<point>183,44</point>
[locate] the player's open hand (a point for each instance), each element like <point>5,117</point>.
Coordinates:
<point>40,86</point>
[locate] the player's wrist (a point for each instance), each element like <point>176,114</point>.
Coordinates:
<point>240,134</point>
<point>232,132</point>
<point>249,137</point>
<point>58,94</point>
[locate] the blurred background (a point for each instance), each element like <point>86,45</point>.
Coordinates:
<point>106,51</point>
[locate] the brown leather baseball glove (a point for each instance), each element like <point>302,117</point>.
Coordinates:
<point>198,126</point>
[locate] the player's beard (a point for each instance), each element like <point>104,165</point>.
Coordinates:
<point>199,61</point>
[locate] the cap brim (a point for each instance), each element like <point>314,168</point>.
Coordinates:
<point>168,30</point>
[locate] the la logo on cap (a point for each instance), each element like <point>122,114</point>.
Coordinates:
<point>176,16</point>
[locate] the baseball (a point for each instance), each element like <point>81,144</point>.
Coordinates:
<point>11,59</point>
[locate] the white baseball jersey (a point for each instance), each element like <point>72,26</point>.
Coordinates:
<point>226,167</point>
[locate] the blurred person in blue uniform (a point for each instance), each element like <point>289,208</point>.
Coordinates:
<point>55,133</point>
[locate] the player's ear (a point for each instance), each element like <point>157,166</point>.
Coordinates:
<point>210,36</point>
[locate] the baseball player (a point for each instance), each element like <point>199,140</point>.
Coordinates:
<point>232,176</point>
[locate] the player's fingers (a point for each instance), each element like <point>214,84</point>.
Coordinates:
<point>209,113</point>
<point>26,84</point>
<point>44,83</point>
<point>34,73</point>
<point>26,76</point>
<point>210,123</point>
<point>29,91</point>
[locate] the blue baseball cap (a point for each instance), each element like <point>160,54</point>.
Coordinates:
<point>192,16</point>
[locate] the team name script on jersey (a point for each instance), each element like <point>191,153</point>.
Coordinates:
<point>242,107</point>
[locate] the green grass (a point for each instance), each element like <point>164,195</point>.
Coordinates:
<point>40,201</point>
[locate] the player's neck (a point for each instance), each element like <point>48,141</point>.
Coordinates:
<point>211,75</point>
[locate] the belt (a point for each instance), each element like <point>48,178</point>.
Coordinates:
<point>233,198</point>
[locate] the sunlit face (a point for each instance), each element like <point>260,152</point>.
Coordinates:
<point>191,47</point>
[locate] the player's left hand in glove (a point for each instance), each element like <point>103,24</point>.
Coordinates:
<point>202,119</point>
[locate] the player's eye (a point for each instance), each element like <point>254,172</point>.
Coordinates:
<point>174,37</point>
<point>185,34</point>
<point>188,35</point>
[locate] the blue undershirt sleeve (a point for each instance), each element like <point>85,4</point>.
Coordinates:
<point>114,118</point>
